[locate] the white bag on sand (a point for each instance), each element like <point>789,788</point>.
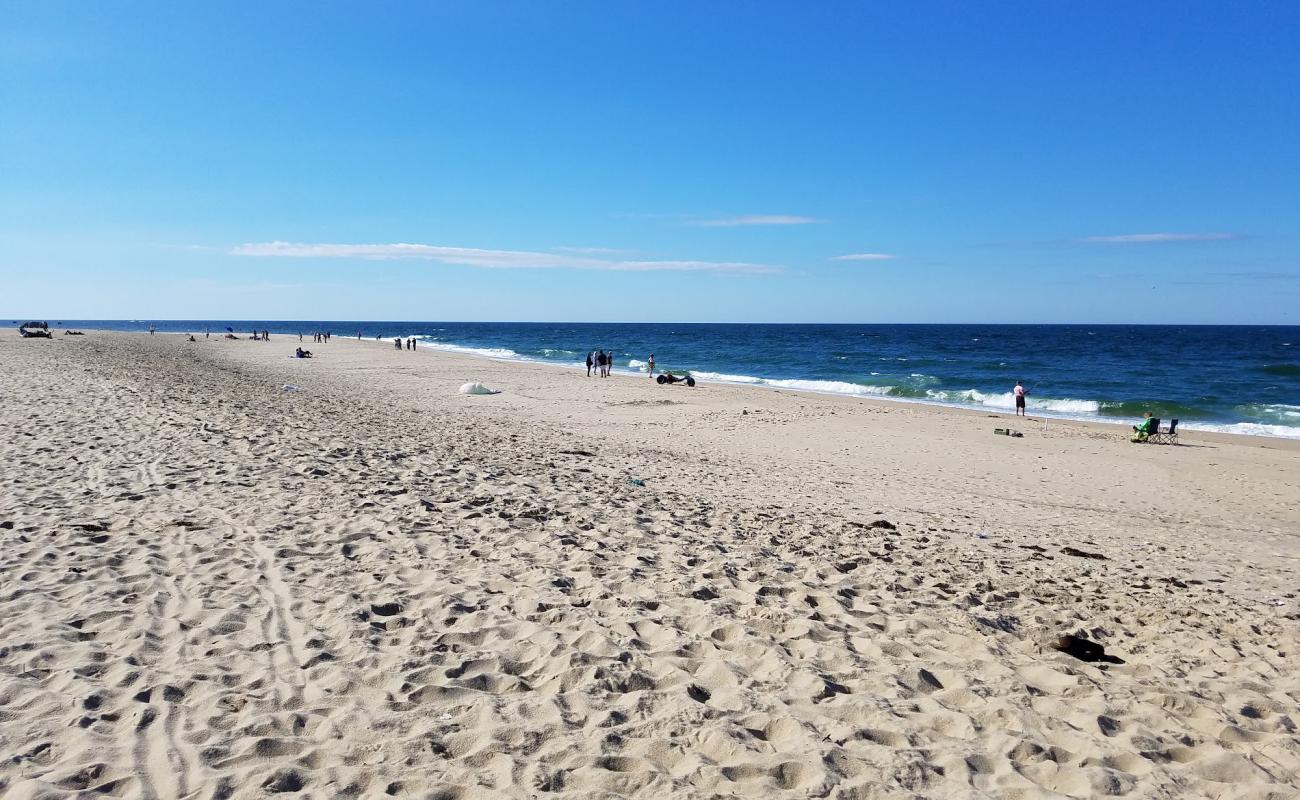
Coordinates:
<point>475,388</point>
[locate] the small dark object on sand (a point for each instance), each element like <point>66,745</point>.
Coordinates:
<point>1072,551</point>
<point>583,453</point>
<point>883,523</point>
<point>668,377</point>
<point>1084,649</point>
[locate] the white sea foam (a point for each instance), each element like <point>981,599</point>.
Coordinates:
<point>831,387</point>
<point>1246,428</point>
<point>825,387</point>
<point>636,364</point>
<point>722,376</point>
<point>487,352</point>
<point>1007,401</point>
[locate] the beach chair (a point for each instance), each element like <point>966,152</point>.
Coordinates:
<point>1164,436</point>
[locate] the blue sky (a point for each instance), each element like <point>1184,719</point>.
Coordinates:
<point>1036,162</point>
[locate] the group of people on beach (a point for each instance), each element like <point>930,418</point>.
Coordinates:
<point>410,343</point>
<point>319,337</point>
<point>602,361</point>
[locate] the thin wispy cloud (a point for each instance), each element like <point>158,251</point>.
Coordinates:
<point>865,257</point>
<point>1159,238</point>
<point>490,259</point>
<point>589,251</point>
<point>753,219</point>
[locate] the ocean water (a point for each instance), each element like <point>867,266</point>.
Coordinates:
<point>1237,379</point>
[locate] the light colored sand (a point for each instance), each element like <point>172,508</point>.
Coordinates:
<point>210,587</point>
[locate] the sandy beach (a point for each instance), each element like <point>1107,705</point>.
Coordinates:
<point>227,573</point>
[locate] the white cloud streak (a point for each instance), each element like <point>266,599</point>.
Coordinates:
<point>1159,238</point>
<point>753,219</point>
<point>865,257</point>
<point>489,259</point>
<point>589,251</point>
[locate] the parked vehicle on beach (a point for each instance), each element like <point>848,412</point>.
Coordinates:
<point>668,377</point>
<point>35,330</point>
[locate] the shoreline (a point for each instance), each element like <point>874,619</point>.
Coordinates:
<point>1117,427</point>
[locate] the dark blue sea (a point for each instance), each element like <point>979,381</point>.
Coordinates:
<point>1239,379</point>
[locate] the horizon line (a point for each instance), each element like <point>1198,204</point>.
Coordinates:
<point>148,320</point>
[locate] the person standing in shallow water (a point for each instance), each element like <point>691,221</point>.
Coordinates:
<point>1019,392</point>
<point>651,365</point>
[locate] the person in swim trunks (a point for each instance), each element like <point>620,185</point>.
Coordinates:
<point>1019,392</point>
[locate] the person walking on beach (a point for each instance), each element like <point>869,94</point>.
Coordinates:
<point>1019,392</point>
<point>589,361</point>
<point>603,361</point>
<point>651,365</point>
<point>151,329</point>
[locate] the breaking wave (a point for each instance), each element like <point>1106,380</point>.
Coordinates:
<point>825,387</point>
<point>1247,429</point>
<point>487,352</point>
<point>1007,401</point>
